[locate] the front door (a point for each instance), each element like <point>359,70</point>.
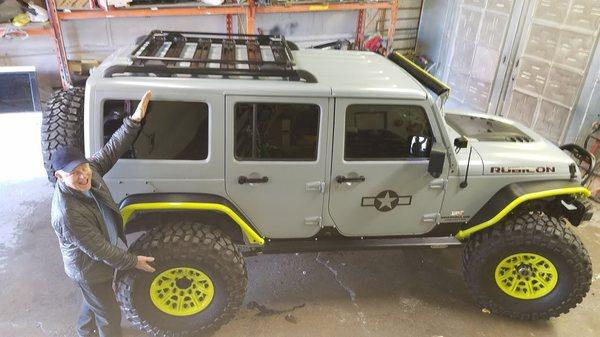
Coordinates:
<point>379,180</point>
<point>275,166</point>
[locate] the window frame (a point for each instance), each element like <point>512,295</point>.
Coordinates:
<point>289,160</point>
<point>389,159</point>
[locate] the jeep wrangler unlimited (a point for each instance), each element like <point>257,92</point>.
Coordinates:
<point>253,146</point>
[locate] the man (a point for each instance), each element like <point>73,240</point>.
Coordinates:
<point>88,225</point>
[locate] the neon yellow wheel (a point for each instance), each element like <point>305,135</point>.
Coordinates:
<point>526,276</point>
<point>181,291</point>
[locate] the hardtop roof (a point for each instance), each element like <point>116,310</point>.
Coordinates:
<point>339,74</point>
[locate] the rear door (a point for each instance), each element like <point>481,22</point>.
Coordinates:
<point>379,180</point>
<point>275,166</point>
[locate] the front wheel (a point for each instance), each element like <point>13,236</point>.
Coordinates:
<point>529,267</point>
<point>199,283</point>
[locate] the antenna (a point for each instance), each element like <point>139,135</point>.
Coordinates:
<point>464,183</point>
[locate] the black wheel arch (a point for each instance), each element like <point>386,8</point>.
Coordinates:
<point>558,198</point>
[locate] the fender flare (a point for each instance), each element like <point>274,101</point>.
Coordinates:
<point>513,195</point>
<point>188,201</point>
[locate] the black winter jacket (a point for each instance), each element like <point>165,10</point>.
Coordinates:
<point>88,256</point>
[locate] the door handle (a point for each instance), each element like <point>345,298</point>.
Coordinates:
<point>318,186</point>
<point>342,179</point>
<point>245,180</point>
<point>437,184</point>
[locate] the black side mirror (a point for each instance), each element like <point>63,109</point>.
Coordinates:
<point>420,146</point>
<point>461,142</point>
<point>436,163</point>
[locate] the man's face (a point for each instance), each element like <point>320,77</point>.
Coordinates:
<point>79,179</point>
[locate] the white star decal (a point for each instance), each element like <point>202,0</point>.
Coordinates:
<point>386,201</point>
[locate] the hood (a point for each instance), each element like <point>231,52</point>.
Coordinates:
<point>509,148</point>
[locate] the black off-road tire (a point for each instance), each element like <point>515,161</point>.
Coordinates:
<point>528,232</point>
<point>192,245</point>
<point>62,124</point>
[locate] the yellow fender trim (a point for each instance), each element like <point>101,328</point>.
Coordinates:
<point>252,236</point>
<point>463,234</point>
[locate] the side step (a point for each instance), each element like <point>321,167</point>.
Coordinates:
<point>274,246</point>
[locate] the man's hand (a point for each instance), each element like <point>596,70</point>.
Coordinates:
<point>142,263</point>
<point>140,112</point>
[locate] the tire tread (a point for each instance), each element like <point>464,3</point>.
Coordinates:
<point>535,228</point>
<point>177,240</point>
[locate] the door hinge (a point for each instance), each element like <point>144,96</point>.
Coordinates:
<point>431,217</point>
<point>317,186</point>
<point>438,184</point>
<point>313,221</point>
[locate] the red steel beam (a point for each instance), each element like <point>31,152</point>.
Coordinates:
<point>250,15</point>
<point>392,26</point>
<point>322,7</point>
<point>59,45</point>
<point>146,12</point>
<point>360,30</point>
<point>229,24</point>
<point>38,31</point>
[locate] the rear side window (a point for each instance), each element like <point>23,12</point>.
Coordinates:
<point>386,132</point>
<point>171,130</point>
<point>276,131</point>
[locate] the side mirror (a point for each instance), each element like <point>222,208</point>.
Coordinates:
<point>420,146</point>
<point>436,163</point>
<point>461,142</point>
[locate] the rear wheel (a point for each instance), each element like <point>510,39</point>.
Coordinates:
<point>199,283</point>
<point>530,267</point>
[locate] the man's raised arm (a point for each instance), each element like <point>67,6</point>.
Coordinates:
<point>122,139</point>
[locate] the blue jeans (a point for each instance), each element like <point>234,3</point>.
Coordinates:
<point>100,313</point>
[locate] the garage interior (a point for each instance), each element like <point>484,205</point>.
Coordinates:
<point>536,62</point>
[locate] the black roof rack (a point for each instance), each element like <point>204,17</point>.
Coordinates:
<point>169,53</point>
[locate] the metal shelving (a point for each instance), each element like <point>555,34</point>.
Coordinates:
<point>249,10</point>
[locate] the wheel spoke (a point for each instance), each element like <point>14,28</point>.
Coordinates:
<point>529,288</point>
<point>536,260</point>
<point>541,280</point>
<point>179,302</point>
<point>514,286</point>
<point>505,277</point>
<point>195,300</point>
<point>544,269</point>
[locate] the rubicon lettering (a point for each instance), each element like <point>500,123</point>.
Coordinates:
<point>539,169</point>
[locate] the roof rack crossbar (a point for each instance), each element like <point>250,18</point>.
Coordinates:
<point>279,53</point>
<point>228,54</point>
<point>175,49</point>
<point>201,53</point>
<point>167,53</point>
<point>151,48</point>
<point>254,55</point>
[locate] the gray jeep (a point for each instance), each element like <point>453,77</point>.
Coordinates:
<point>252,146</point>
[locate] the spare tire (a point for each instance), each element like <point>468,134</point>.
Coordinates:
<point>62,124</point>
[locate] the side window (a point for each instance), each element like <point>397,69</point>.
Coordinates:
<point>171,130</point>
<point>386,132</point>
<point>276,131</point>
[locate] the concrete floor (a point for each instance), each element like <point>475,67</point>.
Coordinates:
<point>412,292</point>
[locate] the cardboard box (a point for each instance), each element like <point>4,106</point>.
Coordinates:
<point>74,4</point>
